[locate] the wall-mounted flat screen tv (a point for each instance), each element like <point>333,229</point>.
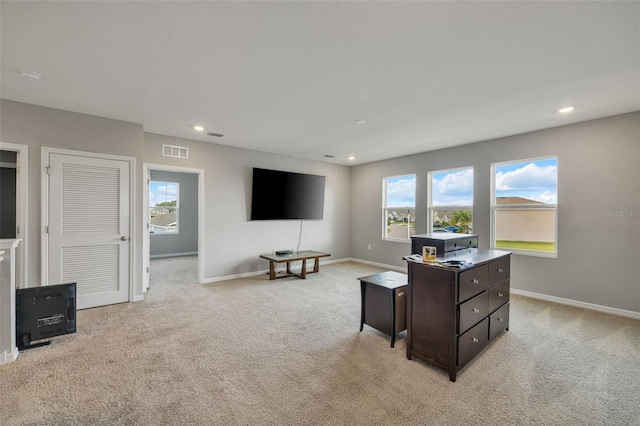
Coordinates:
<point>278,195</point>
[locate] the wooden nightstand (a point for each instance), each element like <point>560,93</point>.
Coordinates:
<point>384,302</point>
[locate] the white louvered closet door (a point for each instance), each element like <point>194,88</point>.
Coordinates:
<point>89,227</point>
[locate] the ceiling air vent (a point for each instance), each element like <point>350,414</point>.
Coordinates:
<point>175,151</point>
<point>217,135</point>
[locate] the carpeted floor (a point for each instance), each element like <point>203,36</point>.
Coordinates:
<point>288,352</point>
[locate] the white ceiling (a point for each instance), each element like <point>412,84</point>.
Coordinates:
<point>292,78</point>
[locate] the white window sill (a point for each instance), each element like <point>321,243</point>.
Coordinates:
<point>397,240</point>
<point>528,252</point>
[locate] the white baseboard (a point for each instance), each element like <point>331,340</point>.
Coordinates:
<point>232,277</point>
<point>9,356</point>
<point>266,271</point>
<point>553,299</point>
<point>381,265</point>
<point>158,256</point>
<point>560,300</point>
<point>578,304</point>
<point>138,298</point>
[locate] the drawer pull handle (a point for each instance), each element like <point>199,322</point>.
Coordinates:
<point>500,319</point>
<point>475,281</point>
<point>475,340</point>
<point>500,270</point>
<point>500,295</point>
<point>475,310</point>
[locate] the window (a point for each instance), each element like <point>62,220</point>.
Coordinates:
<point>524,206</point>
<point>163,207</point>
<point>399,207</point>
<point>451,201</point>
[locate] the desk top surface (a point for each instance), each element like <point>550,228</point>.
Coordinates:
<point>387,279</point>
<point>296,255</point>
<point>473,257</point>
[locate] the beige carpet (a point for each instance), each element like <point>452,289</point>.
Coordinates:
<point>288,352</point>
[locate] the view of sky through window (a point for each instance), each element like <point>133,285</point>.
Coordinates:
<point>452,188</point>
<point>162,192</point>
<point>163,207</point>
<point>401,191</point>
<point>532,180</point>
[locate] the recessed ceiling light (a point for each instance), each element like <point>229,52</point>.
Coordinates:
<point>361,121</point>
<point>566,109</point>
<point>30,75</point>
<point>351,158</point>
<point>198,128</point>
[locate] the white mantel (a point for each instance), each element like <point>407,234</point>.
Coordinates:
<point>8,349</point>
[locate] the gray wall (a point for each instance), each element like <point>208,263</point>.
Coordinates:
<point>186,240</point>
<point>233,242</point>
<point>39,127</point>
<point>598,171</point>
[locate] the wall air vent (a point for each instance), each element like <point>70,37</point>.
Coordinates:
<point>175,151</point>
<point>217,135</point>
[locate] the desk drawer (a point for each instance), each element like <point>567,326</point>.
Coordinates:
<point>472,281</point>
<point>472,342</point>
<point>472,311</point>
<point>499,270</point>
<point>460,243</point>
<point>499,321</point>
<point>498,295</point>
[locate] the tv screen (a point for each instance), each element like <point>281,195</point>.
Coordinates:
<point>285,195</point>
<point>44,312</point>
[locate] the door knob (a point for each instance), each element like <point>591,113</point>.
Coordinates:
<point>124,238</point>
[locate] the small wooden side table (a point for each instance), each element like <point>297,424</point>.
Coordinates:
<point>293,257</point>
<point>384,303</point>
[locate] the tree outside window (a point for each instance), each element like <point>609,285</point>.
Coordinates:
<point>163,207</point>
<point>399,208</point>
<point>451,201</point>
<point>524,206</point>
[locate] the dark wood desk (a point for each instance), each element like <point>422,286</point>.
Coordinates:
<point>384,302</point>
<point>453,313</point>
<point>294,257</point>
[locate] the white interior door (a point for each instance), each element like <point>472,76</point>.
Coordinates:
<point>146,248</point>
<point>88,227</point>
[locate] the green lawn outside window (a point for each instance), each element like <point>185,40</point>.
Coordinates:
<point>527,245</point>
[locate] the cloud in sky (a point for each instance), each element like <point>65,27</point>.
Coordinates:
<point>548,197</point>
<point>401,191</point>
<point>536,180</point>
<point>160,192</point>
<point>453,188</point>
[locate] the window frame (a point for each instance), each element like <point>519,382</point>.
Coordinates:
<point>430,206</point>
<point>176,208</point>
<point>494,208</point>
<point>385,208</point>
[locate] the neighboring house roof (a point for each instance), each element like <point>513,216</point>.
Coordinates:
<point>164,218</point>
<point>502,201</point>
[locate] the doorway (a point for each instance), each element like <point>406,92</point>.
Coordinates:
<point>173,216</point>
<point>13,193</point>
